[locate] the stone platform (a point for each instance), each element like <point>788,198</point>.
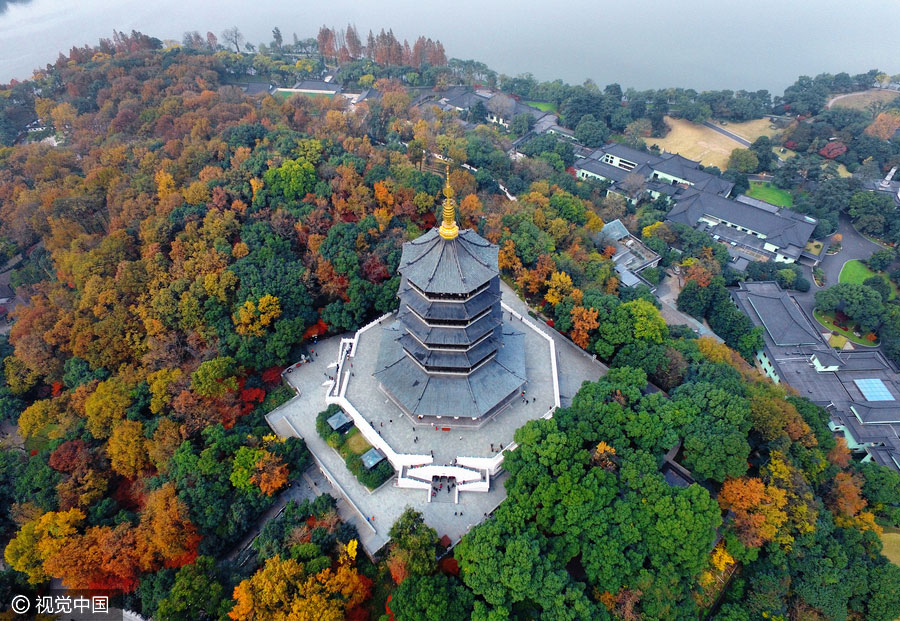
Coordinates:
<point>411,444</point>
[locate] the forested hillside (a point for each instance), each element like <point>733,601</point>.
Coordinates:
<point>186,241</point>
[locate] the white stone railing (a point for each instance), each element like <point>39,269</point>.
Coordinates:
<point>397,460</point>
<point>553,365</point>
<point>487,465</point>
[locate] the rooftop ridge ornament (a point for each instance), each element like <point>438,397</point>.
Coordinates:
<point>448,229</point>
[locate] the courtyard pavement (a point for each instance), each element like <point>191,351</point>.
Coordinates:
<point>448,438</point>
<point>374,512</point>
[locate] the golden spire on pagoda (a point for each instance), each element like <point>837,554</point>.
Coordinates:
<point>448,229</point>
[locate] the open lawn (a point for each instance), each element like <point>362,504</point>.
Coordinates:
<point>546,106</point>
<point>287,94</point>
<point>891,548</point>
<point>751,130</point>
<point>827,320</point>
<point>856,271</point>
<point>837,341</point>
<point>40,440</point>
<point>765,191</point>
<point>356,442</point>
<point>860,101</point>
<point>696,142</point>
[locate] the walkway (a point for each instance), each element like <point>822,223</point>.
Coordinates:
<point>578,363</point>
<point>715,126</point>
<point>667,294</point>
<point>372,512</point>
<point>854,246</point>
<point>307,486</point>
<point>836,98</point>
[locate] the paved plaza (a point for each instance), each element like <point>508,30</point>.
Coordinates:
<point>373,512</point>
<point>446,438</point>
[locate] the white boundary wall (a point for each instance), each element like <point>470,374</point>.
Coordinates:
<point>401,461</point>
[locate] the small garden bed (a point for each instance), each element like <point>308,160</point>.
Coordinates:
<point>819,276</point>
<point>837,341</point>
<point>838,327</point>
<point>276,398</point>
<point>351,445</point>
<point>814,247</point>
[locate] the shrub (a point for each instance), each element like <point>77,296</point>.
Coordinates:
<point>370,478</point>
<point>652,275</point>
<point>275,398</point>
<point>322,427</point>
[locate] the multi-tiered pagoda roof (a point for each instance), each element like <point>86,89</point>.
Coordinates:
<point>449,353</point>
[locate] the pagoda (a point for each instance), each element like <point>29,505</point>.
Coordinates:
<point>449,354</point>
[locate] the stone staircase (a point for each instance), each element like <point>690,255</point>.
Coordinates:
<point>467,479</point>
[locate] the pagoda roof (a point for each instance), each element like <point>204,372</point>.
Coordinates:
<point>471,396</point>
<point>453,266</point>
<point>449,310</point>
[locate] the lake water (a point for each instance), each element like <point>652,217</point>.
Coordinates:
<point>702,44</point>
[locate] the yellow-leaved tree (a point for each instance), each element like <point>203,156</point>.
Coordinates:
<point>127,449</point>
<point>39,539</point>
<point>559,287</point>
<point>282,591</point>
<point>253,319</point>
<point>106,406</point>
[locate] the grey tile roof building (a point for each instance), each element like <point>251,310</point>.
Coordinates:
<point>7,293</point>
<point>667,174</point>
<point>627,153</point>
<point>860,389</point>
<point>778,232</point>
<point>631,256</point>
<point>782,318</point>
<point>371,458</point>
<point>340,422</point>
<point>318,86</point>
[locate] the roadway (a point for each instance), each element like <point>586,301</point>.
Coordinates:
<point>744,142</point>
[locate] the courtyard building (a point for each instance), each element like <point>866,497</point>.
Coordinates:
<point>859,388</point>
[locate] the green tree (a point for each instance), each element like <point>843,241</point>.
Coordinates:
<point>860,303</point>
<point>591,132</point>
<point>878,284</point>
<point>873,213</point>
<point>196,593</point>
<point>743,160</point>
<point>881,259</point>
<point>292,180</point>
<point>431,598</point>
<point>522,124</point>
<point>416,542</point>
<point>881,489</point>
<point>215,377</point>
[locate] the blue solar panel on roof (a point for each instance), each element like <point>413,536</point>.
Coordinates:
<point>874,390</point>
